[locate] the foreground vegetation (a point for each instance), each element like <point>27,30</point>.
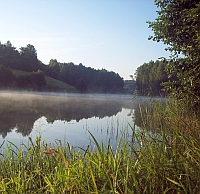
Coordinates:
<point>162,156</point>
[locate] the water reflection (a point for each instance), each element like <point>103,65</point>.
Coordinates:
<point>20,111</point>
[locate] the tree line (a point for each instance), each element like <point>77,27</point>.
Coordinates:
<point>150,78</point>
<point>85,77</point>
<point>79,76</point>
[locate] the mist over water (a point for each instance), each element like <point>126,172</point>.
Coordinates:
<point>66,117</point>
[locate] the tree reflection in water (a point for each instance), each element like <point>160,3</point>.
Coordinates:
<point>20,110</point>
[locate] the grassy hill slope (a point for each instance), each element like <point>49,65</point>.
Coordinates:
<point>52,84</point>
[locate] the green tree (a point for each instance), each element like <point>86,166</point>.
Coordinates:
<point>150,77</point>
<point>81,85</point>
<point>54,68</point>
<point>29,49</point>
<point>38,79</point>
<point>29,61</point>
<point>6,76</point>
<point>9,56</point>
<point>178,26</point>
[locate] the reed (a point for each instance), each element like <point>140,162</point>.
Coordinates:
<point>161,157</point>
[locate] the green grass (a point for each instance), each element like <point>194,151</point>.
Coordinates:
<point>163,161</point>
<point>20,73</point>
<point>59,85</point>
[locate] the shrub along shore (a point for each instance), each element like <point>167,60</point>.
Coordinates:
<point>162,157</point>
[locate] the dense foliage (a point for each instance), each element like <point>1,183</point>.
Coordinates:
<point>81,85</point>
<point>36,81</point>
<point>26,60</point>
<point>95,80</point>
<point>149,78</point>
<point>177,26</point>
<point>6,76</point>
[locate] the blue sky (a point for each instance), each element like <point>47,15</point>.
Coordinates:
<point>109,34</point>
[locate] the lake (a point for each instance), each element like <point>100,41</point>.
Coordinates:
<point>65,117</point>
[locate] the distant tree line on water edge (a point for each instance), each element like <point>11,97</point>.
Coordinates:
<point>151,77</point>
<point>82,78</point>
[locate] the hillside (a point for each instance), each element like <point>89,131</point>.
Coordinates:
<point>51,83</point>
<point>40,76</point>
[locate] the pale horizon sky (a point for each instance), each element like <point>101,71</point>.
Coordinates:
<point>109,34</point>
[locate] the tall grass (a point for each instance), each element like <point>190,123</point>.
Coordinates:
<point>162,157</point>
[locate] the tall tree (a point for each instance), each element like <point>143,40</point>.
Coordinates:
<point>29,49</point>
<point>9,56</point>
<point>29,58</point>
<point>178,26</point>
<point>54,68</point>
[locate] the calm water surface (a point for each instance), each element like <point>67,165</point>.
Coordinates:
<point>65,117</point>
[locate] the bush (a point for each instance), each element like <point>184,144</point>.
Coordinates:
<point>6,76</point>
<point>81,85</point>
